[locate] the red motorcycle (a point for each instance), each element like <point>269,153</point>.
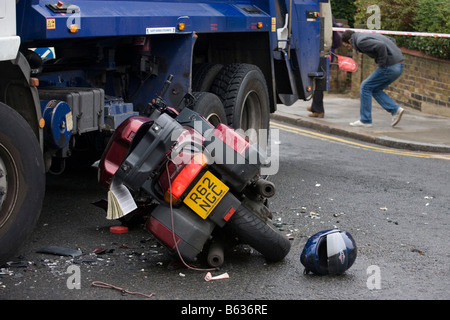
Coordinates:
<point>200,184</point>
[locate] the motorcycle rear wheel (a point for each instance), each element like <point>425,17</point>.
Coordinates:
<point>260,235</point>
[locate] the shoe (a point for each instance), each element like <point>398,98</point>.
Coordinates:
<point>358,123</point>
<point>309,108</point>
<point>397,116</point>
<point>316,115</point>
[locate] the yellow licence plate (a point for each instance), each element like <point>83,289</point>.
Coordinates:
<point>206,194</point>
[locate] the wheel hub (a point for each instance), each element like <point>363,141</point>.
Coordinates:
<point>251,115</point>
<point>5,201</point>
<point>3,188</point>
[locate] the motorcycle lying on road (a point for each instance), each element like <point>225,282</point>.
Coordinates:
<point>199,184</point>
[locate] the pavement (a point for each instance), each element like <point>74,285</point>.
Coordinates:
<point>416,131</point>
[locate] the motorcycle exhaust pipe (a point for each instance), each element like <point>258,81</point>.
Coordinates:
<point>215,254</point>
<point>265,188</point>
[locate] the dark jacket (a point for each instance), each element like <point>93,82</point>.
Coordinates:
<point>337,35</point>
<point>379,47</point>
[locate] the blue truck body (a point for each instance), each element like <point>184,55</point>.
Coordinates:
<point>251,24</point>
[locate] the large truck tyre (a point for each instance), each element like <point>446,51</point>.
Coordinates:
<point>260,235</point>
<point>22,181</point>
<point>243,91</point>
<point>209,106</point>
<point>204,75</point>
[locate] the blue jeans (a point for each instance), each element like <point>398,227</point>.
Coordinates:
<point>373,86</point>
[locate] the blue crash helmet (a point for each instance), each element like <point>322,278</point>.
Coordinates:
<point>329,252</point>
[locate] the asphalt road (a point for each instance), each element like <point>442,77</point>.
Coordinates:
<point>394,203</point>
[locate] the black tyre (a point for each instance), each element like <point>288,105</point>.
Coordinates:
<point>243,91</point>
<point>204,75</point>
<point>209,106</point>
<point>22,181</point>
<point>260,235</point>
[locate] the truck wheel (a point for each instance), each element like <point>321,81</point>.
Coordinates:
<point>22,181</point>
<point>260,235</point>
<point>243,91</point>
<point>209,106</point>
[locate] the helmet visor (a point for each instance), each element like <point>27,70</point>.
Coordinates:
<point>336,253</point>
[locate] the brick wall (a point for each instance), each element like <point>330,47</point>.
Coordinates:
<point>424,84</point>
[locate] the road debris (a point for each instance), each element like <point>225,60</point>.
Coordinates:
<point>418,251</point>
<point>394,222</point>
<point>209,276</point>
<point>338,214</point>
<point>60,251</point>
<point>118,229</point>
<point>314,215</point>
<point>99,251</point>
<point>123,291</point>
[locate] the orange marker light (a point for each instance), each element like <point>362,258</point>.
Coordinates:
<point>41,123</point>
<point>74,28</point>
<point>259,25</point>
<point>34,82</point>
<point>181,26</point>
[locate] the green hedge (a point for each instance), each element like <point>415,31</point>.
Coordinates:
<point>344,9</point>
<point>412,15</point>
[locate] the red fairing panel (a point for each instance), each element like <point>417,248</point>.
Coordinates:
<point>118,147</point>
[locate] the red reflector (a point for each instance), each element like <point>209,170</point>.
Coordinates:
<point>229,214</point>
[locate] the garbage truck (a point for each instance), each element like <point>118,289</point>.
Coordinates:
<point>72,70</point>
